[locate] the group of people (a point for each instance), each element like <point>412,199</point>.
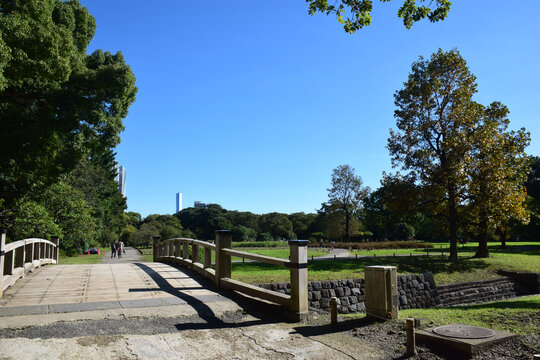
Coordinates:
<point>117,249</point>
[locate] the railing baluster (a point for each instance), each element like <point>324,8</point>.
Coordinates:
<point>56,241</point>
<point>207,257</point>
<point>19,257</point>
<point>156,255</point>
<point>185,250</point>
<point>2,249</point>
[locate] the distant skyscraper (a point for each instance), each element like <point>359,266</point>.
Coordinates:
<point>199,204</point>
<point>178,202</point>
<point>120,178</point>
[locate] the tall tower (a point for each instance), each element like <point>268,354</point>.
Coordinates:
<point>178,202</point>
<point>120,178</point>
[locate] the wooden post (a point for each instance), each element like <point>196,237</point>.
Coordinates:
<point>299,281</point>
<point>156,251</point>
<point>207,257</point>
<point>2,249</point>
<point>411,341</point>
<point>56,249</point>
<point>333,310</point>
<point>223,261</point>
<point>19,257</point>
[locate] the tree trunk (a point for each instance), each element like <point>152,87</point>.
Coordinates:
<point>452,223</point>
<point>482,251</point>
<point>503,237</point>
<point>347,226</point>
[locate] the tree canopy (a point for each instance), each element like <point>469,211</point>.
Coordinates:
<point>57,103</point>
<point>346,195</point>
<point>355,14</point>
<point>455,148</point>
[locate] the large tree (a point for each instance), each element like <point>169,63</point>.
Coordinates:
<point>346,195</point>
<point>458,150</point>
<point>498,168</point>
<point>435,114</point>
<point>56,102</point>
<point>355,14</point>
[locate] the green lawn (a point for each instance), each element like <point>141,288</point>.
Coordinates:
<point>83,259</point>
<point>517,316</point>
<point>467,269</point>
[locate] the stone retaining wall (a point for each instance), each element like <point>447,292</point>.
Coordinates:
<point>477,292</point>
<point>414,291</point>
<point>417,291</point>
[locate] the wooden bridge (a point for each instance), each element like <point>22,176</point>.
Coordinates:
<point>164,282</point>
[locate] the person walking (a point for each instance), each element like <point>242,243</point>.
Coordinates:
<point>113,249</point>
<point>120,249</point>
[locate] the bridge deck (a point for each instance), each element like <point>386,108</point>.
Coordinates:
<point>67,288</point>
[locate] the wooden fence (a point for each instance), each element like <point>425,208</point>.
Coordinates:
<point>185,252</point>
<point>20,257</point>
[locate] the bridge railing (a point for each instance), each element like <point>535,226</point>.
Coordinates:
<point>20,257</point>
<point>178,251</point>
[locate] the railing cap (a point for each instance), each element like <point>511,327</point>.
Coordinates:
<point>298,242</point>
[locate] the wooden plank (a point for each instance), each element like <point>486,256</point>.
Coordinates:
<point>256,291</point>
<point>256,257</point>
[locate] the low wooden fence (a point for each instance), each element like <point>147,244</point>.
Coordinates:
<point>20,257</point>
<point>186,252</point>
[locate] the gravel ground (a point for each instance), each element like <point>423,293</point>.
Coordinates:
<point>238,335</point>
<point>390,338</point>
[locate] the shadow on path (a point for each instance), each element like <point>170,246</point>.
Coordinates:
<point>264,313</point>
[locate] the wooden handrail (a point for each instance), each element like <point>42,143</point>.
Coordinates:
<point>296,302</point>
<point>257,257</point>
<point>22,256</point>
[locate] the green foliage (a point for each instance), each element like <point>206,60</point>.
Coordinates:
<point>344,202</point>
<point>456,150</point>
<point>276,224</point>
<point>56,102</point>
<point>30,219</point>
<point>402,231</point>
<point>72,214</point>
<point>242,233</point>
<point>355,14</point>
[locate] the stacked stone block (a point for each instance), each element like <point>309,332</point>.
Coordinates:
<point>415,291</point>
<point>477,292</point>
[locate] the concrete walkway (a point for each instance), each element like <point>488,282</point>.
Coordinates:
<point>70,288</point>
<point>131,255</point>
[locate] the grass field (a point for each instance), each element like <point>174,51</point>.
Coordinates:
<point>518,316</point>
<point>83,259</point>
<point>467,269</point>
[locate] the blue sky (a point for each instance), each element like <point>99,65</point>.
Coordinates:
<point>250,104</point>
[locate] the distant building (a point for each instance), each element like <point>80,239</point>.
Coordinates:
<point>120,178</point>
<point>198,204</point>
<point>178,202</point>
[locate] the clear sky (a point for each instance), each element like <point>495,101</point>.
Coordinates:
<point>250,104</point>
